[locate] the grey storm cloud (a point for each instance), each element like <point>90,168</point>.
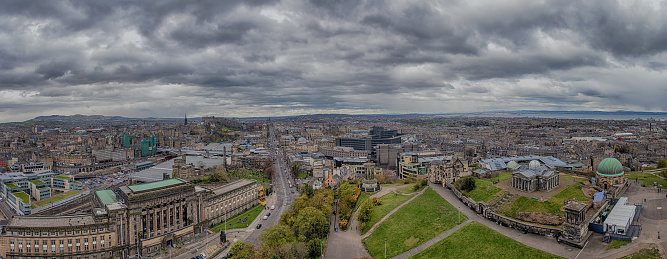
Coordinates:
<point>258,58</point>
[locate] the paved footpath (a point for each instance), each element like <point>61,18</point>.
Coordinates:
<point>431,242</point>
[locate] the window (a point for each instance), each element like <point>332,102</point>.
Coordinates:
<point>62,246</point>
<point>20,246</point>
<point>11,245</point>
<point>53,246</point>
<point>27,245</point>
<point>44,246</point>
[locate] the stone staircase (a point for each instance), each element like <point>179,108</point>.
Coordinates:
<point>503,202</point>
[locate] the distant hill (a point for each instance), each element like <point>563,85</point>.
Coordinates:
<point>97,119</point>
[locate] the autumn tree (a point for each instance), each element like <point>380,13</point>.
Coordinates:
<point>241,250</point>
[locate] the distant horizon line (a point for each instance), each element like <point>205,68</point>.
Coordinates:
<point>508,112</point>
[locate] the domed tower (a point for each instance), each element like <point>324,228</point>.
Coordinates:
<point>610,172</point>
<point>534,165</point>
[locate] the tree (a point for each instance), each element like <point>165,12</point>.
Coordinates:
<point>241,250</point>
<point>219,175</point>
<point>277,235</point>
<point>467,183</point>
<point>308,190</point>
<point>469,152</point>
<point>310,223</point>
<point>662,163</point>
<point>268,169</point>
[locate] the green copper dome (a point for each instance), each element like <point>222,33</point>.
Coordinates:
<point>610,167</point>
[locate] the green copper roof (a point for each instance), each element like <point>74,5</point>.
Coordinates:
<point>154,185</point>
<point>106,196</point>
<point>610,167</point>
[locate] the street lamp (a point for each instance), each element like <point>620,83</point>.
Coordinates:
<point>459,214</point>
<point>385,248</point>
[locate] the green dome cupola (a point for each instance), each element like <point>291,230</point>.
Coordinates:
<point>610,167</point>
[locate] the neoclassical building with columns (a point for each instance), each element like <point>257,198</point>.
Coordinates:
<point>535,177</point>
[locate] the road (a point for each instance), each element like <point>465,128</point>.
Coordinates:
<point>283,193</point>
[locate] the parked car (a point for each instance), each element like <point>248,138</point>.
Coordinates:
<point>259,226</point>
<point>273,207</point>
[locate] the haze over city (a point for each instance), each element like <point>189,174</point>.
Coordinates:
<point>273,58</point>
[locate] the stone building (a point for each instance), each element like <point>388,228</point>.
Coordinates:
<point>535,177</point>
<point>448,170</point>
<point>609,173</point>
<point>129,221</point>
<point>59,237</point>
<point>226,201</point>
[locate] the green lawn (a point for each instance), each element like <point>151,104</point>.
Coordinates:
<point>576,179</point>
<point>572,191</point>
<point>410,189</point>
<point>652,253</point>
<point>232,223</point>
<point>303,175</point>
<point>362,198</point>
<point>484,190</point>
<point>389,202</point>
<point>502,177</point>
<point>616,244</point>
<point>478,241</point>
<point>57,198</point>
<point>531,205</point>
<point>647,178</point>
<point>415,223</point>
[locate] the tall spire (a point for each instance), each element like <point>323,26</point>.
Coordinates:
<point>186,119</point>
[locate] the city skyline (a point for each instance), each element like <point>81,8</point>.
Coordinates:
<point>281,58</point>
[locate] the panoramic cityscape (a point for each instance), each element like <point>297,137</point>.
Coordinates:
<point>333,129</point>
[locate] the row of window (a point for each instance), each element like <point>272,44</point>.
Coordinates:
<point>53,234</point>
<point>33,246</point>
<point>103,254</point>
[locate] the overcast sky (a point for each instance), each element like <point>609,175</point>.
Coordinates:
<point>269,58</point>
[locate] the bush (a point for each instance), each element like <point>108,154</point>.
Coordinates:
<point>424,182</point>
<point>467,183</point>
<point>416,187</point>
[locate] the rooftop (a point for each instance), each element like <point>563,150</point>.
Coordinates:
<point>36,182</point>
<point>106,196</point>
<point>23,196</point>
<point>154,185</point>
<point>60,221</point>
<point>232,186</point>
<point>11,185</point>
<point>62,177</point>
